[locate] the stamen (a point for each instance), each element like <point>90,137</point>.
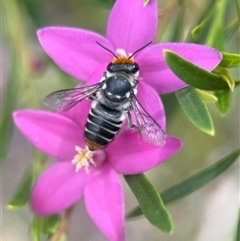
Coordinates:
<point>121,53</point>
<point>123,58</point>
<point>84,158</point>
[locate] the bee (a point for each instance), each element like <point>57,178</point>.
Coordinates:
<point>113,99</point>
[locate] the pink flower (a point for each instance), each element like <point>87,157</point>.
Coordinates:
<point>65,182</point>
<point>79,172</point>
<point>130,27</point>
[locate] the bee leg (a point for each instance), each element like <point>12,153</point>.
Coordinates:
<point>130,123</point>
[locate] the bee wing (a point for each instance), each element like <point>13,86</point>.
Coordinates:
<point>67,98</point>
<point>149,129</point>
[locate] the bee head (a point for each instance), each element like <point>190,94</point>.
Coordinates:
<point>123,62</point>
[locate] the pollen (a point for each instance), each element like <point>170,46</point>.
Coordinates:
<point>123,58</point>
<point>83,159</point>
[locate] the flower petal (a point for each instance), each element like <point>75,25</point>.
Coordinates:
<point>96,77</point>
<point>74,50</point>
<point>78,113</point>
<point>59,187</point>
<point>131,25</point>
<point>155,71</point>
<point>105,204</point>
<point>51,133</point>
<point>152,103</point>
<point>128,154</point>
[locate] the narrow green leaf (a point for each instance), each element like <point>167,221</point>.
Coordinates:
<point>178,27</point>
<point>238,7</point>
<point>193,183</point>
<point>10,100</point>
<point>50,224</point>
<point>214,37</point>
<point>199,179</point>
<point>206,96</point>
<point>225,75</point>
<point>20,71</point>
<point>196,31</point>
<point>230,60</point>
<point>192,74</point>
<point>150,202</point>
<point>195,109</point>
<point>22,194</point>
<point>231,30</point>
<point>200,32</point>
<point>36,228</point>
<point>224,101</point>
<point>44,226</point>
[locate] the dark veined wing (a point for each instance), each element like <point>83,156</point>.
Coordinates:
<point>149,129</point>
<point>67,98</point>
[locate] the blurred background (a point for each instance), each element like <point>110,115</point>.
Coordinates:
<point>28,75</point>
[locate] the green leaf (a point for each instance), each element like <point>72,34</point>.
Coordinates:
<point>194,182</point>
<point>36,228</point>
<point>214,37</point>
<point>44,226</point>
<point>206,96</point>
<point>20,72</point>
<point>238,7</point>
<point>192,74</point>
<point>150,202</point>
<point>225,75</point>
<point>22,195</point>
<point>10,94</point>
<point>224,101</point>
<point>50,224</point>
<point>230,60</point>
<point>231,30</point>
<point>195,109</point>
<point>178,27</point>
<point>200,32</point>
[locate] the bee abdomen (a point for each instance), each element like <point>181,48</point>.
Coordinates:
<point>102,126</point>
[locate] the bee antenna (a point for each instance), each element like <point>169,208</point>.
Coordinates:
<point>139,50</point>
<point>107,50</point>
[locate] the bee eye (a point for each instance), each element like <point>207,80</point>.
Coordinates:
<point>135,68</point>
<point>110,67</point>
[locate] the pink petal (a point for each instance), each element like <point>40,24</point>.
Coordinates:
<point>152,103</point>
<point>51,133</point>
<point>128,154</point>
<point>105,203</point>
<point>155,71</point>
<point>99,73</point>
<point>131,25</point>
<point>74,50</point>
<point>59,187</point>
<point>79,113</point>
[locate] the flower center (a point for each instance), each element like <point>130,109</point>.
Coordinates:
<point>84,158</point>
<point>123,58</point>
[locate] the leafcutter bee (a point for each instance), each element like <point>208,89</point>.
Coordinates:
<point>113,99</point>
